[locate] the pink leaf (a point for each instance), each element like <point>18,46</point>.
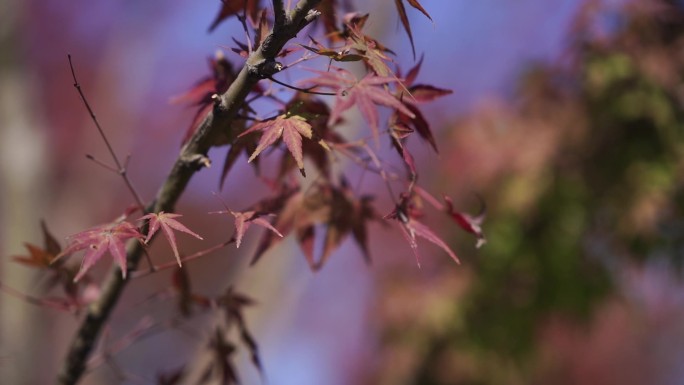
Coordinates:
<point>423,93</point>
<point>306,238</point>
<point>290,127</point>
<point>469,223</point>
<point>416,228</point>
<point>407,157</point>
<point>98,240</point>
<point>245,219</point>
<point>366,94</point>
<point>411,229</point>
<point>167,223</point>
<point>413,72</point>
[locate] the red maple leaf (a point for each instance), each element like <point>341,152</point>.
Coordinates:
<point>222,74</point>
<point>405,154</point>
<point>410,97</point>
<point>316,113</point>
<point>247,145</point>
<point>290,128</point>
<point>37,257</point>
<point>373,53</point>
<point>233,303</point>
<point>469,223</point>
<point>404,18</point>
<point>323,212</point>
<point>98,240</point>
<point>77,293</point>
<point>421,93</point>
<point>167,223</point>
<point>342,55</point>
<point>245,219</point>
<point>366,94</point>
<point>41,257</point>
<point>233,7</point>
<point>329,10</point>
<point>411,229</point>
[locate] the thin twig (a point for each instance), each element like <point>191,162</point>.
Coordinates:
<point>101,163</point>
<point>305,90</point>
<point>243,21</point>
<point>165,266</point>
<point>378,164</point>
<point>364,163</point>
<point>151,266</point>
<point>121,170</point>
<point>302,59</point>
<point>245,117</point>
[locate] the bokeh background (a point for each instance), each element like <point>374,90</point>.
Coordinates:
<point>566,118</point>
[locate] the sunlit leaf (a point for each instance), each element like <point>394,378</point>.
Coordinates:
<point>289,128</point>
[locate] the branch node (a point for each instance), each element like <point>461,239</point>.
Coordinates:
<point>217,100</point>
<point>311,16</point>
<point>265,69</point>
<point>197,161</point>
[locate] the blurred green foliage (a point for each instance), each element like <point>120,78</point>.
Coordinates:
<point>610,194</point>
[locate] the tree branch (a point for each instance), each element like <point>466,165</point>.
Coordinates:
<point>279,11</point>
<point>193,156</point>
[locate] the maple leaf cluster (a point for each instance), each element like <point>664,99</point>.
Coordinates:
<point>111,238</point>
<point>304,128</point>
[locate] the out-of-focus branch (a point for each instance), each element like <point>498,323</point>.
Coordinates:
<point>261,64</point>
